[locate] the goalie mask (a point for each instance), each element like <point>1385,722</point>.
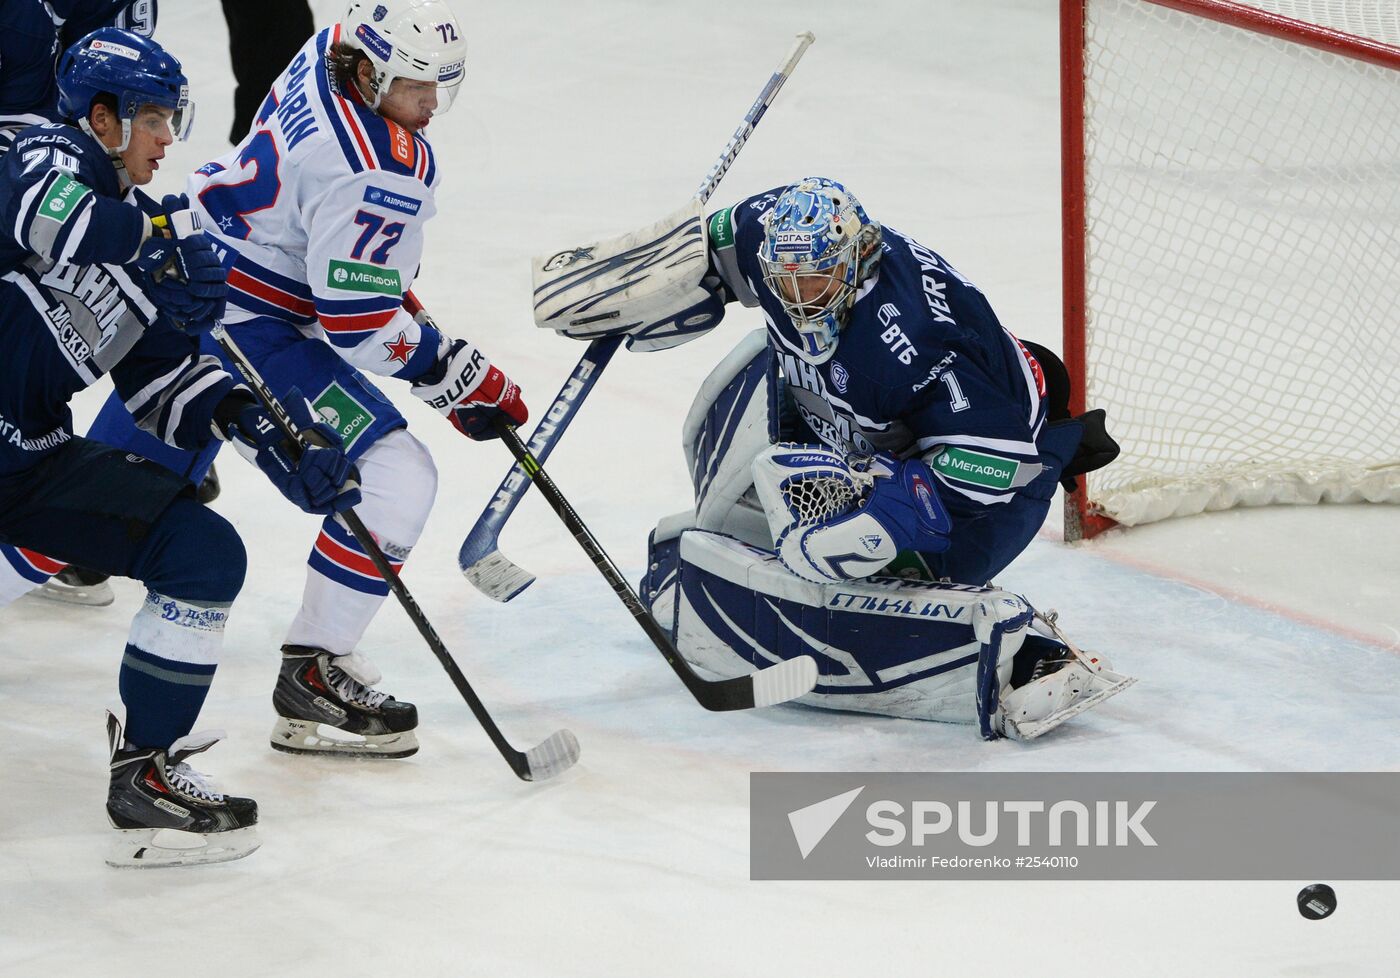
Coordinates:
<point>818,247</point>
<point>418,40</point>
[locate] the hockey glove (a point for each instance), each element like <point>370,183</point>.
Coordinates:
<point>902,512</point>
<point>470,392</point>
<point>183,273</point>
<point>319,479</point>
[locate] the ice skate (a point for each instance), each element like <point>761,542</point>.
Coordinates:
<point>77,585</point>
<point>168,814</point>
<point>325,705</point>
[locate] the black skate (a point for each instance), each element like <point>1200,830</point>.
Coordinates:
<point>209,487</point>
<point>166,813</point>
<point>78,585</point>
<point>325,705</point>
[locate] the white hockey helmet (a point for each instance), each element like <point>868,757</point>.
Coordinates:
<point>420,40</point>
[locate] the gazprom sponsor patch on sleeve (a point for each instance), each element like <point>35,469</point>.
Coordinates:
<point>395,202</point>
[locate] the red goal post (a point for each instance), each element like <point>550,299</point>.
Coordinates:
<point>1231,249</point>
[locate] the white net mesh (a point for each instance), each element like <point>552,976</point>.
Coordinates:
<point>820,495</point>
<point>1242,198</point>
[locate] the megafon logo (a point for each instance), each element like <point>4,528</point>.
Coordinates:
<point>811,824</point>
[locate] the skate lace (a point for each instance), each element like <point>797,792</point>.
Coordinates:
<point>193,783</point>
<point>354,691</point>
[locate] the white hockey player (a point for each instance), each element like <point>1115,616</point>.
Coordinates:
<point>883,425</point>
<point>319,214</point>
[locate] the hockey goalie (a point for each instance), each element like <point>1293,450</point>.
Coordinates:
<point>862,467</point>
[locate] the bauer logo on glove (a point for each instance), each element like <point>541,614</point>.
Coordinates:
<point>470,392</point>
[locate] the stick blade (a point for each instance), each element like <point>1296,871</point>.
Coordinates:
<point>769,686</point>
<point>784,681</point>
<point>555,755</point>
<point>497,577</point>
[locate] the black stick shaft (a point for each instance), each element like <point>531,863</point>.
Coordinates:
<point>516,759</point>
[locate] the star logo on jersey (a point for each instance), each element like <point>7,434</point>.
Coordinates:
<point>225,223</point>
<point>400,349</point>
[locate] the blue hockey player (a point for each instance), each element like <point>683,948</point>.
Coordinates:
<point>33,33</point>
<point>863,467</point>
<point>94,279</point>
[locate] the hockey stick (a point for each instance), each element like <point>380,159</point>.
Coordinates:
<point>777,683</point>
<point>558,752</point>
<point>480,557</point>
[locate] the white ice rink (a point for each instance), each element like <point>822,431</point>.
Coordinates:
<point>1264,640</point>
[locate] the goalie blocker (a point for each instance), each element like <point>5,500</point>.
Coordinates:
<point>917,649</point>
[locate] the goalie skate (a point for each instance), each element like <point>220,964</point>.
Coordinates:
<point>1062,687</point>
<point>325,705</point>
<point>168,814</point>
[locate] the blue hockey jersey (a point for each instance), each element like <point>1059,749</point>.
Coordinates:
<point>32,35</point>
<point>72,307</point>
<point>922,366</point>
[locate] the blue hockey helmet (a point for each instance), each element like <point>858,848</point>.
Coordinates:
<point>818,247</point>
<point>134,70</point>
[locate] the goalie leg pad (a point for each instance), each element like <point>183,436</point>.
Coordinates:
<point>733,418</point>
<point>897,648</point>
<point>912,649</point>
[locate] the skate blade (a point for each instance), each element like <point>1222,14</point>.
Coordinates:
<point>1106,684</point>
<point>93,595</point>
<point>308,737</point>
<point>159,848</point>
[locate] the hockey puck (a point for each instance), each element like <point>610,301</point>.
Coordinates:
<point>1316,901</point>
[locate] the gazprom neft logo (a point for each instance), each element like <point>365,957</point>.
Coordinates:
<point>991,471</point>
<point>395,202</point>
<point>354,276</point>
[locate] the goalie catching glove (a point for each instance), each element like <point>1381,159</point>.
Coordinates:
<point>470,392</point>
<point>835,519</point>
<point>318,478</point>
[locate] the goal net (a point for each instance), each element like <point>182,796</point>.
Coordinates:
<point>1232,251</point>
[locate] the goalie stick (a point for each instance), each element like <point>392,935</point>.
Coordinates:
<point>773,684</point>
<point>480,558</point>
<point>558,752</point>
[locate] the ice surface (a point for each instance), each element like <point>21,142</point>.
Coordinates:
<point>1264,640</point>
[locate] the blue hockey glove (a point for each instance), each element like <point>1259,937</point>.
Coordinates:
<point>183,273</point>
<point>322,480</point>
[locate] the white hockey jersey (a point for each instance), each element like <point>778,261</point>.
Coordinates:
<point>321,209</point>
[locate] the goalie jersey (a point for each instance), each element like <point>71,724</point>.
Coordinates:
<point>922,367</point>
<point>72,308</point>
<point>319,214</point>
